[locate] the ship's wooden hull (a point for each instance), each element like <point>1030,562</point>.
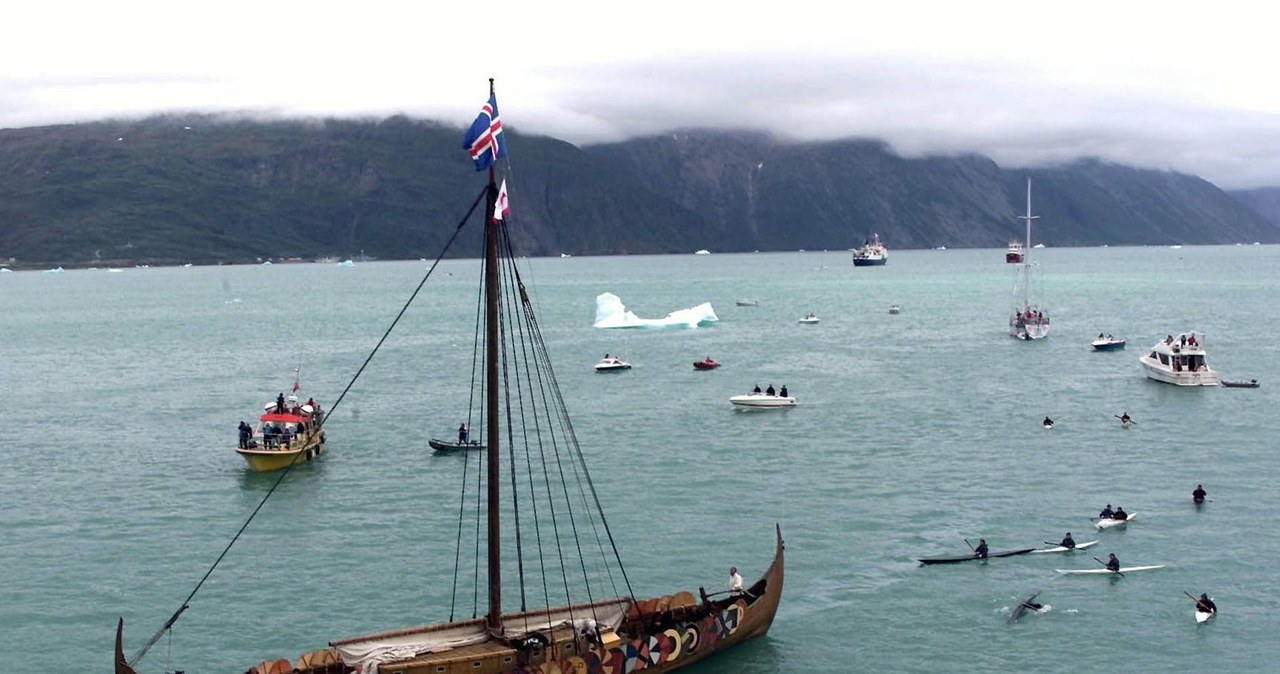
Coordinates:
<point>654,637</point>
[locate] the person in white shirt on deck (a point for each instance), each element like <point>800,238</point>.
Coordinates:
<point>735,581</point>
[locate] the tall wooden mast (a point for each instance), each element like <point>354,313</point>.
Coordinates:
<point>493,456</point>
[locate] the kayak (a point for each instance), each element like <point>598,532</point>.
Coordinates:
<point>1020,608</point>
<point>1108,523</point>
<point>1079,546</point>
<point>1123,569</point>
<point>1202,616</point>
<point>969,557</point>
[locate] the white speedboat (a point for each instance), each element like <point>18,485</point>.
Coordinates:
<point>810,319</point>
<point>612,364</point>
<point>1107,343</point>
<point>762,401</point>
<point>1179,360</point>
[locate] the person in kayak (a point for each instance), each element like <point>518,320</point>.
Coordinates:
<point>1106,513</point>
<point>1124,418</point>
<point>1113,564</point>
<point>981,551</point>
<point>1068,542</point>
<point>1120,514</point>
<point>1205,605</point>
<point>1199,494</point>
<point>1048,423</point>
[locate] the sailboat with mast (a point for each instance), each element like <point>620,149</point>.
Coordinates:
<point>542,520</point>
<point>1029,320</point>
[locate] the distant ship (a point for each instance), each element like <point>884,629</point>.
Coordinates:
<point>871,254</point>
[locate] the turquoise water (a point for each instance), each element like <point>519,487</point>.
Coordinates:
<point>121,393</point>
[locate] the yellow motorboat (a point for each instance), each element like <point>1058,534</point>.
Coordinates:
<point>286,433</point>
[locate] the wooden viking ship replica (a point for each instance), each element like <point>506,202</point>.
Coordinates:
<point>593,623</point>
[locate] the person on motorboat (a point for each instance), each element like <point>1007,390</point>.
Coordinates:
<point>1106,513</point>
<point>769,391</point>
<point>756,390</point>
<point>1199,494</point>
<point>462,434</point>
<point>280,403</point>
<point>1205,605</point>
<point>1099,336</point>
<point>981,551</point>
<point>783,391</point>
<point>1120,514</point>
<point>1068,542</point>
<point>1048,423</point>
<point>1113,564</point>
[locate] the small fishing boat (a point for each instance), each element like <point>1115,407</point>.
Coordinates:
<point>1108,343</point>
<point>1063,548</point>
<point>705,364</point>
<point>1108,522</point>
<point>1123,569</point>
<point>809,319</point>
<point>1179,361</point>
<point>286,433</point>
<point>1240,383</point>
<point>612,364</point>
<point>454,446</point>
<point>953,559</point>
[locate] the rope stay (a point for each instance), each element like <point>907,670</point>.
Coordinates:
<point>186,603</point>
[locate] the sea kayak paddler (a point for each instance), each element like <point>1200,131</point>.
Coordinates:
<point>1120,514</point>
<point>981,551</point>
<point>1106,513</point>
<point>1113,564</point>
<point>1199,494</point>
<point>1205,605</point>
<point>1124,418</point>
<point>1068,542</point>
<point>1048,423</point>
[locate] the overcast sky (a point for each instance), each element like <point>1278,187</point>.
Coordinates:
<point>1167,85</point>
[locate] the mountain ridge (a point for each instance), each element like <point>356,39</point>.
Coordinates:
<point>203,189</point>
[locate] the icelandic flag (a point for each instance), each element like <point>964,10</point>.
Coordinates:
<point>484,139</point>
<point>295,380</point>
<point>502,207</point>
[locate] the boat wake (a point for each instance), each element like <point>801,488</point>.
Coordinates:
<point>611,313</point>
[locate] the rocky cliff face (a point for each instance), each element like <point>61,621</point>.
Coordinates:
<point>201,189</point>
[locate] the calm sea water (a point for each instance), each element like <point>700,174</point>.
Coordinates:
<point>120,394</point>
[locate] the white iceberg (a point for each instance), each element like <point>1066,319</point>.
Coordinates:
<point>610,313</point>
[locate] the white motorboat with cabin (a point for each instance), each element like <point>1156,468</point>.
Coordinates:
<point>1179,360</point>
<point>612,364</point>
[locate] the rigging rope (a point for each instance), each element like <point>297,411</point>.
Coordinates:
<point>284,473</point>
